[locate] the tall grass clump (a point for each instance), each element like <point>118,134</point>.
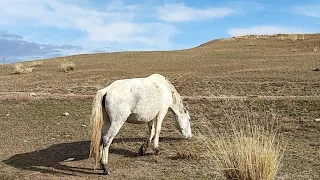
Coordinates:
<point>67,66</point>
<point>247,151</point>
<point>19,68</point>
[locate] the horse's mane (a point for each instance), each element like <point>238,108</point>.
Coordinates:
<point>175,96</point>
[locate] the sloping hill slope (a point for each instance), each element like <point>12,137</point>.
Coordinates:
<point>38,141</point>
<point>248,65</point>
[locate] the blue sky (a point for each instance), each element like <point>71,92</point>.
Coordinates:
<point>31,29</point>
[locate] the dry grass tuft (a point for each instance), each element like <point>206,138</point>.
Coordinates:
<point>301,37</point>
<point>67,66</point>
<point>29,69</point>
<point>21,69</point>
<point>294,37</point>
<point>18,68</point>
<point>315,49</point>
<point>250,151</point>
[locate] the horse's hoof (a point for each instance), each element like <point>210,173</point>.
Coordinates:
<point>156,151</point>
<point>106,170</point>
<point>142,150</point>
<point>106,173</point>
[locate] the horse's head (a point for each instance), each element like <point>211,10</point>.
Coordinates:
<point>182,116</point>
<point>183,124</point>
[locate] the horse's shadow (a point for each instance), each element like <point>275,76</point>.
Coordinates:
<point>49,160</point>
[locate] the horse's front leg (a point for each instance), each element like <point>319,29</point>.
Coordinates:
<point>158,125</point>
<point>144,147</point>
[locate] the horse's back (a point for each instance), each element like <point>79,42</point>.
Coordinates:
<point>157,77</point>
<point>153,85</point>
<point>143,97</point>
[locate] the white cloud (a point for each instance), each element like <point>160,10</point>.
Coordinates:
<point>113,23</point>
<point>264,30</point>
<point>308,10</point>
<point>182,13</point>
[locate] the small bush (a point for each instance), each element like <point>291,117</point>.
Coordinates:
<point>249,152</point>
<point>21,69</point>
<point>67,66</point>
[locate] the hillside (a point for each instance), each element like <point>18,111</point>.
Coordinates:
<point>270,79</point>
<point>280,43</point>
<point>236,66</point>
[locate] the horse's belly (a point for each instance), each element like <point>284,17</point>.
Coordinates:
<point>139,119</point>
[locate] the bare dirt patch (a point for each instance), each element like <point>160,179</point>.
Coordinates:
<point>54,138</point>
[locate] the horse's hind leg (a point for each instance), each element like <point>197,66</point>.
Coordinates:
<point>104,130</point>
<point>143,149</point>
<point>107,140</point>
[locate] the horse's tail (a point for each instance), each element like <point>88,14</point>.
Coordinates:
<point>96,124</point>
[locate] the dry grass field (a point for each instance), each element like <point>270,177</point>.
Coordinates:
<point>272,76</point>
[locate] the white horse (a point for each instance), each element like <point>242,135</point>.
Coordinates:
<point>139,100</point>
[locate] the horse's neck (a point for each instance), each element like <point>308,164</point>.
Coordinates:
<point>176,105</point>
